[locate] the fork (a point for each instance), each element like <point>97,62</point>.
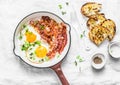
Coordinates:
<point>75,24</point>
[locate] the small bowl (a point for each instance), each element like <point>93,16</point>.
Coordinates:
<point>114,49</point>
<point>98,65</point>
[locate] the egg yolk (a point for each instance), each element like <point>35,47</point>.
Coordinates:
<point>41,51</point>
<point>30,37</point>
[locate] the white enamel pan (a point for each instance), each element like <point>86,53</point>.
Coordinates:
<point>54,64</point>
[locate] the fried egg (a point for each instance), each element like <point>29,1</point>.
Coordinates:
<point>34,47</point>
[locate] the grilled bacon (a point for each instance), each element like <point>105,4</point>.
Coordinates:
<point>55,34</point>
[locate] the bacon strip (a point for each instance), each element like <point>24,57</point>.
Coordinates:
<point>52,32</point>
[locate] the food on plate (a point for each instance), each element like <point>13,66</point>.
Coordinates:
<point>110,25</point>
<point>98,34</point>
<point>100,27</point>
<point>90,8</point>
<point>42,39</point>
<point>95,20</point>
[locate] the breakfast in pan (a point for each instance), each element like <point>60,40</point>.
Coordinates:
<point>42,39</point>
<point>100,27</point>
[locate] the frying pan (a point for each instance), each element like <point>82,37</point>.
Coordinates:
<point>55,63</point>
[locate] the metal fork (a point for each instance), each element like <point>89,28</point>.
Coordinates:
<point>75,24</point>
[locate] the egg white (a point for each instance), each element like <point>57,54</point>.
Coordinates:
<point>33,58</point>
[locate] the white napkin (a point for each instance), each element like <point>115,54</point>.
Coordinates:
<point>15,72</point>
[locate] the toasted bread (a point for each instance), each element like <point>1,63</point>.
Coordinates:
<point>98,34</point>
<point>95,20</point>
<point>110,25</point>
<point>90,8</point>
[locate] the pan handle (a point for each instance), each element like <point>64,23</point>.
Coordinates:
<point>57,69</point>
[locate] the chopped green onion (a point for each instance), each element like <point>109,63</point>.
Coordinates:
<point>31,54</point>
<point>27,30</point>
<point>75,63</point>
<point>33,44</point>
<point>81,36</point>
<point>33,58</point>
<point>39,61</point>
<point>63,12</point>
<point>30,49</point>
<point>79,58</point>
<point>38,43</point>
<point>58,55</point>
<point>25,46</point>
<point>67,3</point>
<point>60,6</point>
<point>20,37</point>
<point>36,22</point>
<point>84,32</point>
<point>24,26</point>
<point>42,27</point>
<point>46,58</point>
<point>42,60</point>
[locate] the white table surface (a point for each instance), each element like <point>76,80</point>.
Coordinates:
<point>14,72</point>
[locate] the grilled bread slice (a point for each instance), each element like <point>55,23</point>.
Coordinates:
<point>90,8</point>
<point>95,20</point>
<point>98,34</point>
<point>110,25</point>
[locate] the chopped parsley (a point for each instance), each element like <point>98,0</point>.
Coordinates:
<point>33,58</point>
<point>60,6</point>
<point>75,63</point>
<point>27,30</point>
<point>58,55</point>
<point>37,42</point>
<point>46,58</point>
<point>30,49</point>
<point>36,22</point>
<point>78,60</point>
<point>82,35</point>
<point>20,37</point>
<point>42,27</point>
<point>25,46</point>
<point>24,26</point>
<point>31,54</point>
<point>84,32</point>
<point>63,12</point>
<point>67,3</point>
<point>42,60</point>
